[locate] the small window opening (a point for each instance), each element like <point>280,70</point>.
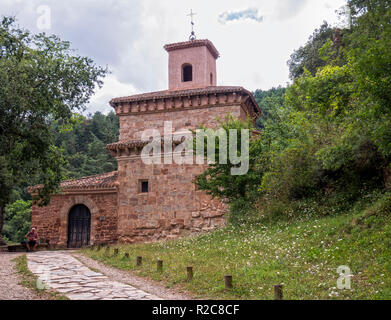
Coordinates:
<point>187,73</point>
<point>144,186</point>
<point>211,79</point>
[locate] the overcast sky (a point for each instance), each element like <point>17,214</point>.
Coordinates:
<point>254,37</point>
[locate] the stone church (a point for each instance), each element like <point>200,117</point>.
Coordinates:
<point>141,202</point>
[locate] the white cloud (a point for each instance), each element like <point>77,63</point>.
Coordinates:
<point>250,14</point>
<point>128,36</point>
<point>287,9</point>
<point>112,88</point>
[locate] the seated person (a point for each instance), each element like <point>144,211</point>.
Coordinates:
<point>32,237</point>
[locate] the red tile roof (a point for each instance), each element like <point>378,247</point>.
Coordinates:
<point>106,180</point>
<point>180,93</point>
<point>170,94</point>
<point>96,182</point>
<point>193,43</point>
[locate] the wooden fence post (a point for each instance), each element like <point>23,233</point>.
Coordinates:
<point>139,261</point>
<point>160,266</point>
<point>278,292</point>
<point>228,282</point>
<point>126,256</point>
<point>189,273</point>
<point>116,251</point>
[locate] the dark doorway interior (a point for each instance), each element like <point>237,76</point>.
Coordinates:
<point>79,225</point>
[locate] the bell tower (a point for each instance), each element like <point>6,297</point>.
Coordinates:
<point>159,200</point>
<point>192,64</point>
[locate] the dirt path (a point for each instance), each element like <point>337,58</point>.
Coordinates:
<point>10,289</point>
<point>153,287</point>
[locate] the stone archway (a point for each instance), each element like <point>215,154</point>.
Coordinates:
<point>64,212</point>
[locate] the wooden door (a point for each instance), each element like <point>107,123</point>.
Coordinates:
<point>79,225</point>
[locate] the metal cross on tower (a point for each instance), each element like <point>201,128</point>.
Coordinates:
<point>192,14</point>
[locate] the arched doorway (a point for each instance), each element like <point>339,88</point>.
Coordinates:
<point>79,226</point>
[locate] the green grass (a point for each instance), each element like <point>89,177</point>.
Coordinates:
<point>302,254</point>
<point>29,280</point>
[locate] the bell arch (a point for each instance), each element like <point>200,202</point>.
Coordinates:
<point>187,72</point>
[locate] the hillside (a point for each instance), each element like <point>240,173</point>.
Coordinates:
<point>303,254</point>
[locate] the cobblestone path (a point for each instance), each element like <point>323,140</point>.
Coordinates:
<point>67,275</point>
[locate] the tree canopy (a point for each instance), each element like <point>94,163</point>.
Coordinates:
<point>84,147</point>
<point>328,135</point>
<point>41,80</point>
<point>309,57</point>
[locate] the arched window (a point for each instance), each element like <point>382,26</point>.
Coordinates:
<point>187,73</point>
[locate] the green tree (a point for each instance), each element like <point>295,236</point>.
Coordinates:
<point>370,56</point>
<point>308,57</point>
<point>17,220</point>
<point>98,160</point>
<point>328,136</point>
<point>218,180</point>
<point>268,101</point>
<point>41,80</point>
<point>336,125</point>
<point>85,146</point>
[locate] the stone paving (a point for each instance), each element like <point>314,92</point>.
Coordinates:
<point>68,276</point>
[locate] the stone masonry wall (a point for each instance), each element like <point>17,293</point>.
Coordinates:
<point>52,221</point>
<point>131,126</point>
<point>173,206</point>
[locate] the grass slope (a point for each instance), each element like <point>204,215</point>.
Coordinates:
<point>303,254</point>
